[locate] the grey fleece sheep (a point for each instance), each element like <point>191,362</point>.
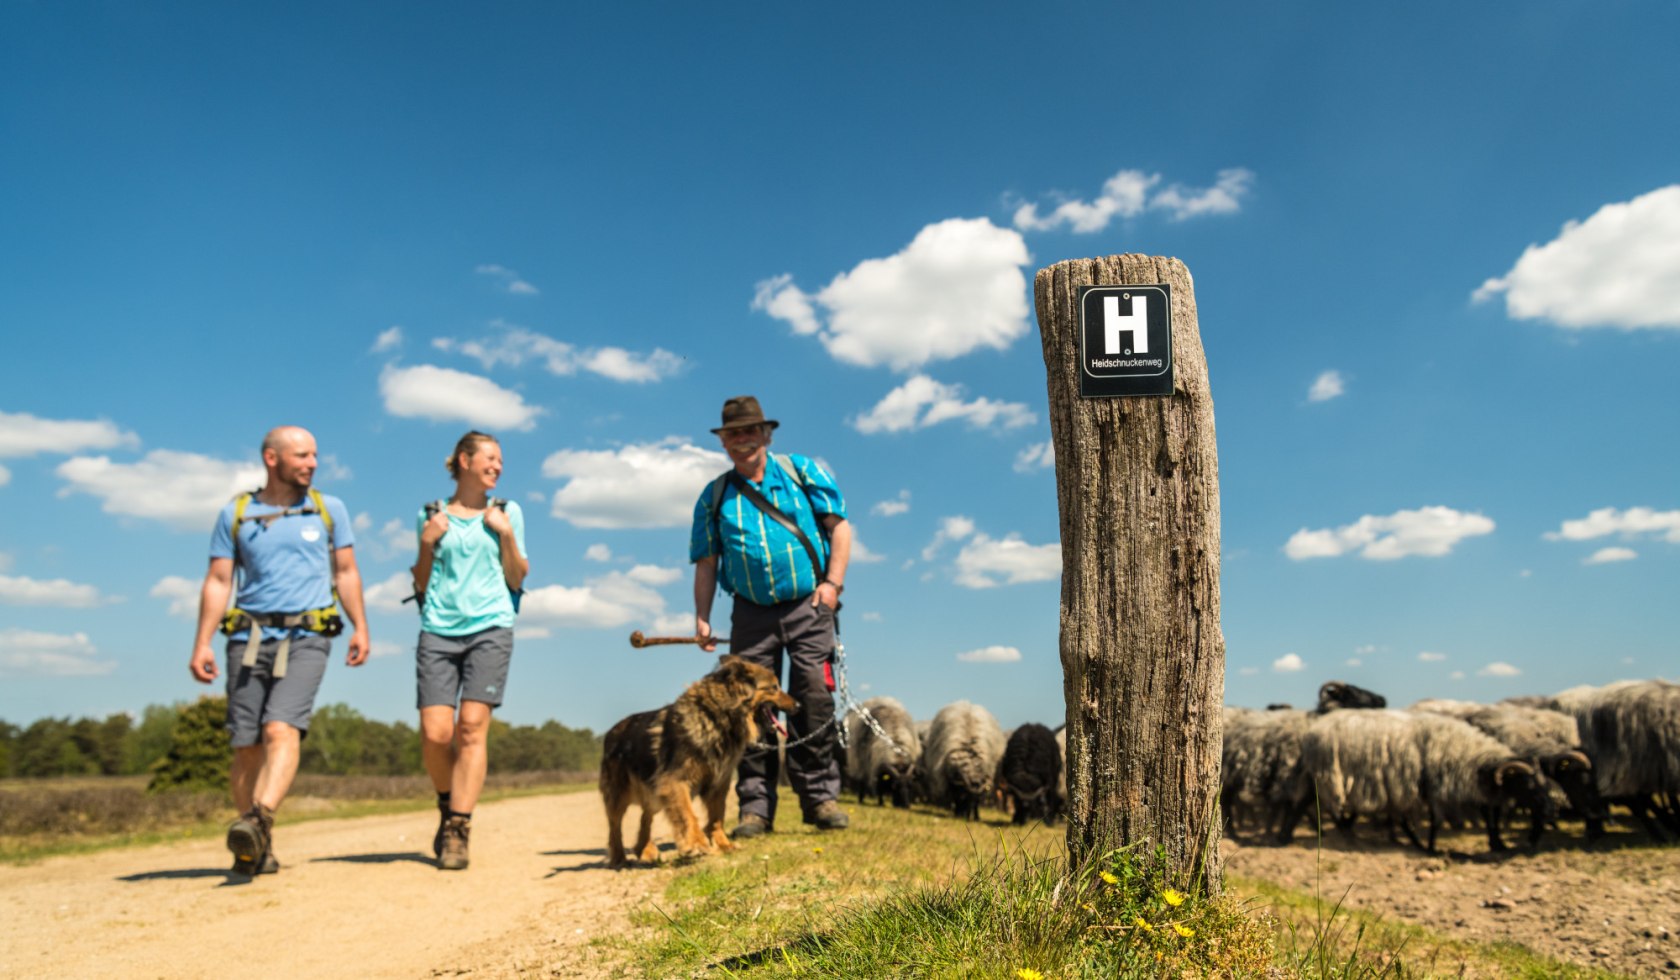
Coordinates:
<point>1264,779</point>
<point>1400,765</point>
<point>874,763</point>
<point>1631,730</point>
<point>1551,740</point>
<point>1448,707</point>
<point>961,754</point>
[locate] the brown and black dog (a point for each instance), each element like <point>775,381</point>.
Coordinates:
<point>659,759</point>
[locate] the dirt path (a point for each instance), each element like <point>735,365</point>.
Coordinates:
<point>355,898</point>
<point>1614,905</point>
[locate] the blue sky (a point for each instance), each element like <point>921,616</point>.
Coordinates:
<point>1437,263</point>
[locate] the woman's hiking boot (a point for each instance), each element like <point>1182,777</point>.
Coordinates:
<point>248,839</point>
<point>453,854</point>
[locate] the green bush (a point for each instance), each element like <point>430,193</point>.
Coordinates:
<point>199,750</point>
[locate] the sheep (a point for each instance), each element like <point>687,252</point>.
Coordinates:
<point>1631,730</point>
<point>1447,706</point>
<point>1465,768</point>
<point>1263,774</point>
<point>1550,740</point>
<point>1335,695</point>
<point>1402,765</point>
<point>960,756</point>
<point>888,765</point>
<point>1031,766</point>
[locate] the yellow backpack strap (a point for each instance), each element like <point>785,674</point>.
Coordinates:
<point>326,518</point>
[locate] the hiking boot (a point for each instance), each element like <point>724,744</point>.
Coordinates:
<point>247,838</point>
<point>452,855</point>
<point>437,838</point>
<point>828,816</point>
<point>751,825</point>
<point>270,864</point>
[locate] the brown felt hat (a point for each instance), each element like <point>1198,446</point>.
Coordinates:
<point>742,412</point>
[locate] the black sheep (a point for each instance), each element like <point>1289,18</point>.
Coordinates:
<point>1031,767</point>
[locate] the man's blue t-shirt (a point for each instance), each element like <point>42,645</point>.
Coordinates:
<point>468,590</point>
<point>284,566</point>
<point>758,559</point>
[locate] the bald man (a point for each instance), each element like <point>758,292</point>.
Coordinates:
<point>291,545</point>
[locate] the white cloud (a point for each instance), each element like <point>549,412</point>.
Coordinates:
<point>5,476</point>
<point>1355,662</point>
<point>1429,657</point>
<point>598,552</point>
<point>184,490</point>
<point>515,346</point>
<point>1289,663</point>
<point>388,595</point>
<point>1630,523</point>
<point>507,279</point>
<point>956,288</point>
<point>990,655</point>
<point>532,632</point>
<point>24,591</point>
<point>1248,671</point>
<point>861,555</point>
<point>181,593</point>
<point>1038,456</point>
<point>922,402</point>
<point>387,340</point>
<point>1615,269</point>
<point>950,529</point>
<point>6,561</point>
<point>871,617</point>
<point>385,648</point>
<point>1129,193</point>
<point>983,561</point>
<point>1499,669</point>
<point>361,522</point>
<point>445,395</point>
<point>640,486</point>
<point>1429,531</point>
<point>1604,556</point>
<point>1327,386</point>
<point>22,434</point>
<point>614,599</point>
<point>653,575</point>
<point>1457,675</point>
<point>1365,648</point>
<point>26,653</point>
<point>893,508</point>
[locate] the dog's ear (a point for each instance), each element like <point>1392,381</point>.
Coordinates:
<point>736,674</point>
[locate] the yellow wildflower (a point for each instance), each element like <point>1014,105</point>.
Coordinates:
<point>1142,924</point>
<point>816,850</point>
<point>1173,898</point>
<point>1028,973</point>
<point>1183,930</point>
<point>1109,878</point>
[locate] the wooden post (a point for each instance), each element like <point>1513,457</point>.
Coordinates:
<point>1143,658</point>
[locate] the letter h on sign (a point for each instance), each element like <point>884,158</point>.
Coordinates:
<point>1135,322</point>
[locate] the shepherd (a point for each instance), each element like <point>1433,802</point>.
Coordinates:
<point>772,531</point>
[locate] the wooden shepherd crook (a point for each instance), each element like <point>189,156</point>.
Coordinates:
<point>1143,659</point>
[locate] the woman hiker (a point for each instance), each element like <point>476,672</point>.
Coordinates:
<point>468,576</point>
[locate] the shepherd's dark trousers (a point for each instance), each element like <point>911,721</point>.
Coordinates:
<point>805,633</point>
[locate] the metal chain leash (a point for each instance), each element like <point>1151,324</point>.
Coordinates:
<point>848,706</point>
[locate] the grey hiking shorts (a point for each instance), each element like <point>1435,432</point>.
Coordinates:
<point>452,669</point>
<point>255,697</point>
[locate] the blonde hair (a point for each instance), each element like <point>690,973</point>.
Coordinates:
<point>468,444</point>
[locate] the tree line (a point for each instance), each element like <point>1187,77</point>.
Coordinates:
<point>185,744</point>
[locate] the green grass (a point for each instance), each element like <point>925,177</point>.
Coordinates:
<point>922,895</point>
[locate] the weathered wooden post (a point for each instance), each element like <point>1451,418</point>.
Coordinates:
<point>1137,484</point>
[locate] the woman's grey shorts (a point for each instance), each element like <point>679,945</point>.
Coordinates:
<point>452,669</point>
<point>256,698</point>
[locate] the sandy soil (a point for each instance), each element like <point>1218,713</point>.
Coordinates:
<point>1614,905</point>
<point>355,898</point>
